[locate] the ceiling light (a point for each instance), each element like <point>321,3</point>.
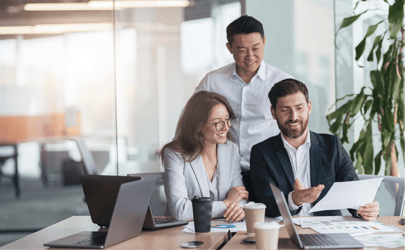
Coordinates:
<point>104,5</point>
<point>54,28</point>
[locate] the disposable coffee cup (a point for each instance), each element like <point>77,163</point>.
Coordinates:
<point>266,235</point>
<point>202,212</point>
<point>254,212</point>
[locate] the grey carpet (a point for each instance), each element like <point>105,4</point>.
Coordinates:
<point>38,207</point>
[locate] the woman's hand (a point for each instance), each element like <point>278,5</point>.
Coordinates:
<point>234,212</point>
<point>236,194</point>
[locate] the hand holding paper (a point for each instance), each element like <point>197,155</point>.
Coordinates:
<point>370,211</point>
<point>348,194</point>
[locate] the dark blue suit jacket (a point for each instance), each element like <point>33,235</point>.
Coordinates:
<point>269,163</point>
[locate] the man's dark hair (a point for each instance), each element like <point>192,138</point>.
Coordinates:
<point>287,87</point>
<point>243,25</point>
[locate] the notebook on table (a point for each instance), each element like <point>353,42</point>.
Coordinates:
<point>311,241</point>
<point>126,221</point>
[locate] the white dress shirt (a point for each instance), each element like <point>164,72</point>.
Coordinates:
<point>250,103</point>
<point>300,164</point>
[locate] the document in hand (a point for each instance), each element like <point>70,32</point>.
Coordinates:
<point>348,194</point>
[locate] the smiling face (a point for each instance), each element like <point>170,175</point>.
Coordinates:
<point>247,51</point>
<point>292,113</point>
<point>218,113</point>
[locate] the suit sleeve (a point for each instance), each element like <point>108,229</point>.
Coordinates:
<point>237,175</point>
<point>346,170</point>
<point>179,205</point>
<point>261,179</point>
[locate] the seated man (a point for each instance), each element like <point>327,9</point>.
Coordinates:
<point>302,163</point>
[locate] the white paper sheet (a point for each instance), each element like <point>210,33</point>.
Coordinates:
<point>382,240</point>
<point>348,194</point>
<point>308,222</point>
<point>353,227</point>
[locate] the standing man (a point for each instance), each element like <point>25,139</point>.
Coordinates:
<point>302,163</point>
<point>243,84</point>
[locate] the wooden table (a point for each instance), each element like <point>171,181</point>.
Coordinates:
<point>286,243</point>
<point>170,238</point>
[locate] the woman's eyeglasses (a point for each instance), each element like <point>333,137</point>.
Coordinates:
<point>220,125</point>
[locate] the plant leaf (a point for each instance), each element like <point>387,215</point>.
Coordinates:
<point>360,48</point>
<point>385,138</point>
<point>368,154</point>
<point>349,20</point>
<point>357,103</point>
<point>377,162</point>
<point>377,40</point>
<point>367,105</point>
<point>362,45</point>
<point>336,125</point>
<point>395,17</point>
<point>344,109</point>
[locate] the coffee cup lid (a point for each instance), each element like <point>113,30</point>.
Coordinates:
<point>266,225</point>
<point>252,205</point>
<point>201,199</point>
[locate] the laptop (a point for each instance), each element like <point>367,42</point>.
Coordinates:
<point>101,193</point>
<point>151,222</point>
<point>311,241</point>
<point>126,221</point>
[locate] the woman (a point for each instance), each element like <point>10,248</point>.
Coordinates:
<point>202,162</point>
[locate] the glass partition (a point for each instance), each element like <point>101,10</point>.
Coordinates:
<point>102,78</point>
<point>299,41</point>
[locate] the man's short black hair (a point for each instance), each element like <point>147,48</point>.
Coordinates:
<point>243,25</point>
<point>287,87</point>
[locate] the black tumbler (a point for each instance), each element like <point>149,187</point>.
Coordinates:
<point>202,211</point>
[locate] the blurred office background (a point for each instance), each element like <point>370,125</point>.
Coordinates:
<point>116,75</point>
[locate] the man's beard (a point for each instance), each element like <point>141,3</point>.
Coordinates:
<point>293,132</point>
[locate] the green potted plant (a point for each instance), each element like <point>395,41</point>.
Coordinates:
<point>383,103</point>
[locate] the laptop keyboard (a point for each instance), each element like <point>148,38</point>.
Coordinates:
<point>98,240</point>
<point>163,221</point>
<point>317,240</point>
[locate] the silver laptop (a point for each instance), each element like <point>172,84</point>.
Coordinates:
<point>126,221</point>
<point>151,222</point>
<point>311,241</point>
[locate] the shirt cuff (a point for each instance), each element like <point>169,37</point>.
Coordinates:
<point>291,204</point>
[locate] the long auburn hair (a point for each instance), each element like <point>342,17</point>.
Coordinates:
<point>188,139</point>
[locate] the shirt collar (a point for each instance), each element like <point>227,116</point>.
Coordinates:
<point>260,73</point>
<point>286,144</point>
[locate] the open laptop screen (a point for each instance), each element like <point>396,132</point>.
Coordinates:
<point>101,193</point>
<point>285,213</point>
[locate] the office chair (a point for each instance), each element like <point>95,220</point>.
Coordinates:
<point>89,163</point>
<point>390,194</point>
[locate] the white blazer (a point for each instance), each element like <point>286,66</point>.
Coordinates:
<point>184,180</point>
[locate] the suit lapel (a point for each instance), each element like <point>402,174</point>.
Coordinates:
<point>223,171</point>
<point>201,175</point>
<point>315,159</point>
<point>284,160</point>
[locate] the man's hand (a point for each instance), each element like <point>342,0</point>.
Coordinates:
<point>302,195</point>
<point>234,212</point>
<point>370,211</point>
<point>236,194</point>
